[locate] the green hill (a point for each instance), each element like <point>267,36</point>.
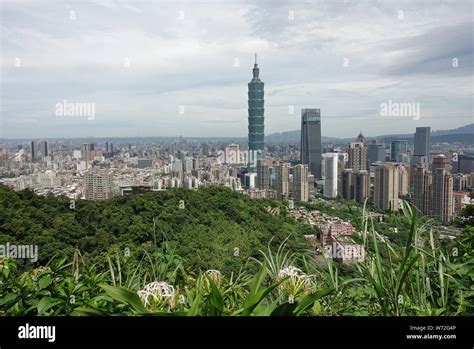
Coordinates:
<point>215,228</point>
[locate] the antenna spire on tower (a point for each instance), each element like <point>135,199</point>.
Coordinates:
<point>255,58</point>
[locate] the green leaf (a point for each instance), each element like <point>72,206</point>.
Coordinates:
<point>216,297</point>
<point>9,297</point>
<point>47,303</point>
<point>123,295</point>
<point>285,309</point>
<point>45,281</point>
<point>309,300</point>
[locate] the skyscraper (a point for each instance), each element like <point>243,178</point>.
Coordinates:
<point>358,154</point>
<point>281,181</point>
<point>441,162</point>
<point>397,149</point>
<point>311,148</point>
<point>33,150</point>
<point>442,194</point>
<point>376,151</point>
<point>355,185</point>
<point>263,174</point>
<point>300,183</point>
<point>422,141</point>
<point>442,188</point>
<point>256,119</point>
<point>330,181</point>
<point>386,187</point>
<point>423,189</point>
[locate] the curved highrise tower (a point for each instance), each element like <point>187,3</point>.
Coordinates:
<point>256,119</point>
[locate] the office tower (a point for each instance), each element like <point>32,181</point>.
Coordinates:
<point>330,181</point>
<point>386,187</point>
<point>232,154</point>
<point>361,186</point>
<point>376,151</point>
<point>263,175</point>
<point>111,149</point>
<point>397,149</point>
<point>300,183</point>
<point>42,146</point>
<point>106,146</point>
<point>256,119</point>
<point>311,148</point>
<point>441,162</point>
<point>98,185</point>
<point>442,194</point>
<point>422,141</point>
<point>33,150</point>
<point>423,189</point>
<point>357,152</point>
<point>465,164</point>
<point>281,181</point>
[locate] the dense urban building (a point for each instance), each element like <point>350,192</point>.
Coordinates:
<point>282,180</point>
<point>376,151</point>
<point>300,182</point>
<point>311,147</point>
<point>422,141</point>
<point>98,185</point>
<point>423,190</point>
<point>357,153</point>
<point>386,188</point>
<point>397,150</point>
<point>331,180</point>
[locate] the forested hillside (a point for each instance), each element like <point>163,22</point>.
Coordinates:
<point>213,228</point>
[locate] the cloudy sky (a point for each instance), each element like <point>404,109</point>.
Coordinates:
<point>166,68</point>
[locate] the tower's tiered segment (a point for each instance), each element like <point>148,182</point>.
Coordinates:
<point>256,119</point>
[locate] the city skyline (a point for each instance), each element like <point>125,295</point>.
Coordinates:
<point>182,77</point>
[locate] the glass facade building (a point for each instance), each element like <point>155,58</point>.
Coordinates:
<point>256,119</point>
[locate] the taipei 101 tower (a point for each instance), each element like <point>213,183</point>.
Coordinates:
<point>256,119</point>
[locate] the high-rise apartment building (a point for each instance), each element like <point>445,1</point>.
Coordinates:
<point>423,190</point>
<point>386,187</point>
<point>355,185</point>
<point>330,181</point>
<point>98,185</point>
<point>442,188</point>
<point>361,186</point>
<point>357,152</point>
<point>282,172</point>
<point>256,119</point>
<point>441,161</point>
<point>442,194</point>
<point>311,148</point>
<point>300,183</point>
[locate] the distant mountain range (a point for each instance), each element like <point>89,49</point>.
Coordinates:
<point>461,134</point>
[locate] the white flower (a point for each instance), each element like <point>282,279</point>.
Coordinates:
<point>159,291</point>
